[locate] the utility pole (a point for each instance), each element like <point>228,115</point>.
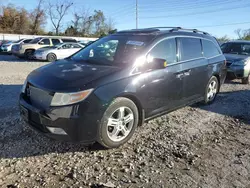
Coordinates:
<point>136,13</point>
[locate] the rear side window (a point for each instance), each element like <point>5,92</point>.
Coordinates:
<point>75,46</point>
<point>165,50</point>
<point>210,49</point>
<point>190,48</point>
<point>55,41</point>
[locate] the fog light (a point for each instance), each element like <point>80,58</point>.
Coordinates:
<point>56,130</point>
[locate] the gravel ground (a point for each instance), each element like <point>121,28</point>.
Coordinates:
<point>196,146</point>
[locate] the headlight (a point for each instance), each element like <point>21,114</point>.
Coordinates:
<point>61,99</point>
<point>24,86</point>
<point>241,62</point>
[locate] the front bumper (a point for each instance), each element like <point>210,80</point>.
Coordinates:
<point>6,49</point>
<point>80,122</point>
<point>40,56</point>
<point>237,72</point>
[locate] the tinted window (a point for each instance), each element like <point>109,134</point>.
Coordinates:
<point>209,49</point>
<point>190,48</point>
<point>68,40</point>
<point>236,48</point>
<point>27,41</point>
<point>76,46</point>
<point>35,40</point>
<point>46,41</point>
<point>165,50</point>
<point>55,41</point>
<point>66,46</point>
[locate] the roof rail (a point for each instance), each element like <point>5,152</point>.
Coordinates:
<point>180,28</point>
<point>192,30</point>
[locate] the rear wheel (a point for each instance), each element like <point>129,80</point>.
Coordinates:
<point>211,90</point>
<point>246,80</point>
<point>51,57</point>
<point>118,123</point>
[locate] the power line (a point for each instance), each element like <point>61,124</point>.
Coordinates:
<point>221,25</point>
<point>197,13</point>
<point>189,6</point>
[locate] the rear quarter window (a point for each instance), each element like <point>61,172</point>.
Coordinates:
<point>210,49</point>
<point>190,48</point>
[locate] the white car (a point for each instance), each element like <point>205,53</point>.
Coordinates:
<point>7,47</point>
<point>59,51</point>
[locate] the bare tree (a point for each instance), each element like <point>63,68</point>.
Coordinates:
<point>110,25</point>
<point>56,13</point>
<point>239,33</point>
<point>38,18</point>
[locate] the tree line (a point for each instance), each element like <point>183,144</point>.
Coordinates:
<point>84,23</point>
<point>241,34</point>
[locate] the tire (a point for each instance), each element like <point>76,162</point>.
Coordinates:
<point>246,80</point>
<point>211,90</point>
<point>106,134</point>
<point>51,57</point>
<point>29,54</point>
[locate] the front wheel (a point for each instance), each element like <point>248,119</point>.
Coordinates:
<point>118,123</point>
<point>29,54</point>
<point>246,80</point>
<point>211,90</point>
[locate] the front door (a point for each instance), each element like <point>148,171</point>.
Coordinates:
<point>163,88</point>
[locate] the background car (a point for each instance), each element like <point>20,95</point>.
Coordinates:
<point>237,54</point>
<point>28,50</point>
<point>59,51</point>
<point>16,45</point>
<point>7,47</point>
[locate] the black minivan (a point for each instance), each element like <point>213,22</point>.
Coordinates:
<point>103,92</point>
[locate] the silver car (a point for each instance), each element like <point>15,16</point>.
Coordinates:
<point>59,51</point>
<point>7,47</point>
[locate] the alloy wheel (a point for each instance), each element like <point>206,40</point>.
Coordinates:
<point>212,90</point>
<point>120,124</point>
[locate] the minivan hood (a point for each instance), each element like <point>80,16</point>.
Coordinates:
<point>235,57</point>
<point>67,75</point>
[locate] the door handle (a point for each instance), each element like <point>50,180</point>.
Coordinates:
<point>180,75</point>
<point>187,72</point>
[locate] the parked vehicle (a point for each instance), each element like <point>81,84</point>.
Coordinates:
<point>86,43</point>
<point>103,92</point>
<point>28,50</point>
<point>59,51</point>
<point>7,47</point>
<point>3,42</point>
<point>237,54</point>
<point>16,45</point>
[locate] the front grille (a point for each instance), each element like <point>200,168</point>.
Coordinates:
<point>38,97</point>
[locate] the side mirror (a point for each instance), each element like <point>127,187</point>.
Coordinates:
<point>41,43</point>
<point>157,63</point>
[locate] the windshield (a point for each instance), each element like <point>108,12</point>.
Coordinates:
<point>113,50</point>
<point>35,40</point>
<point>18,41</point>
<point>236,48</point>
